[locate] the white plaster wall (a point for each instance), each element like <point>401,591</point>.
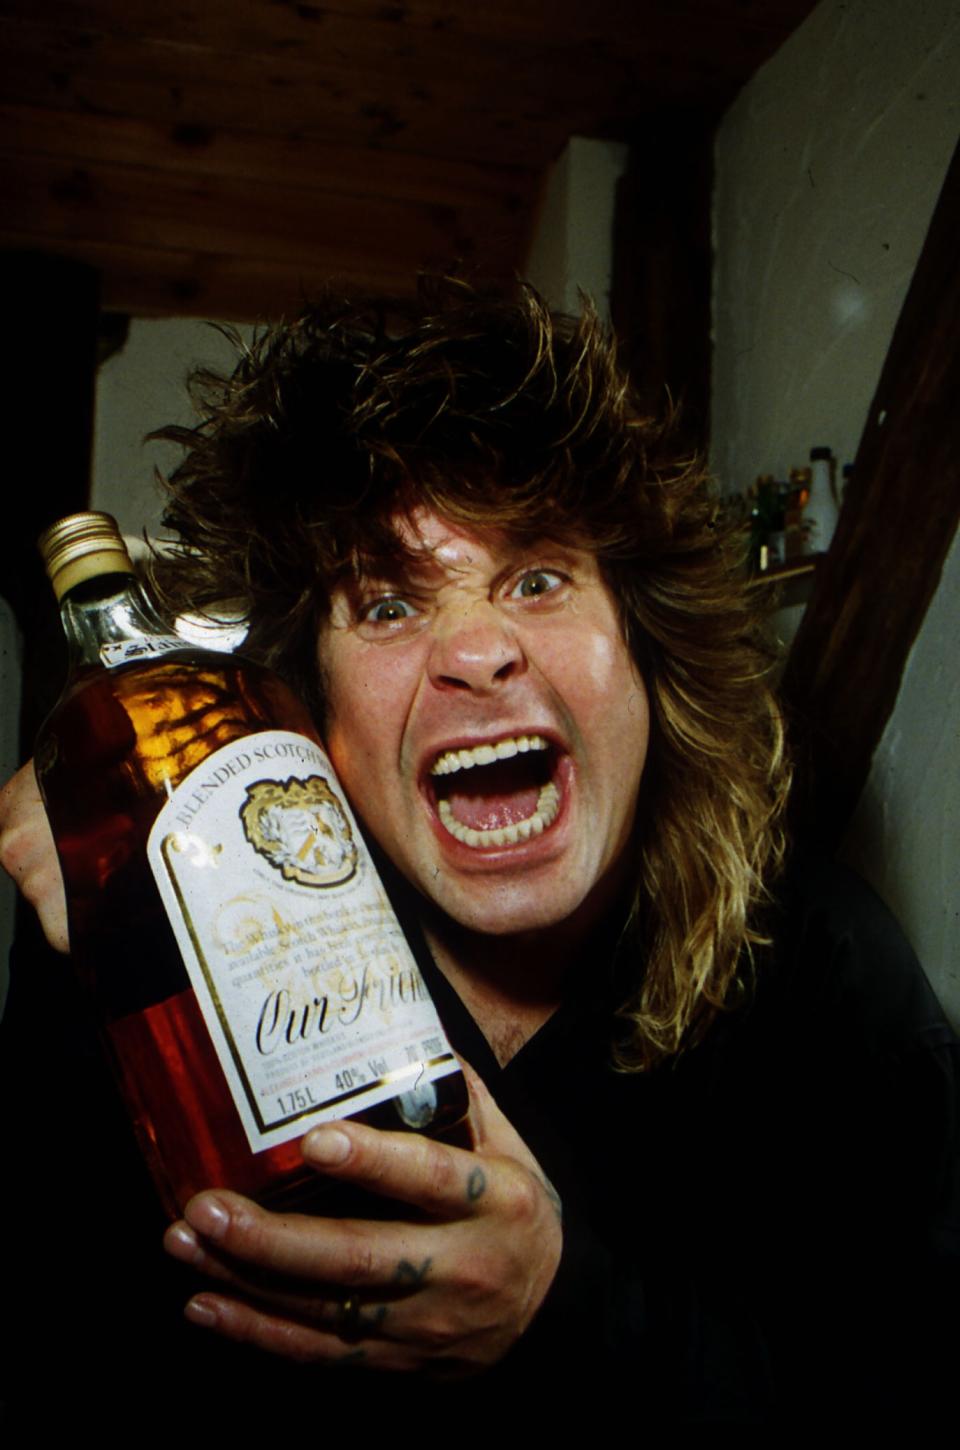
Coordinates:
<point>572,250</point>
<point>140,388</point>
<point>905,834</point>
<point>829,164</point>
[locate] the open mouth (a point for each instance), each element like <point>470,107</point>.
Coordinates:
<point>499,793</point>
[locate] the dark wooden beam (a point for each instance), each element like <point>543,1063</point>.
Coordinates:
<point>197,230</point>
<point>662,264</point>
<point>896,527</point>
<point>51,343</point>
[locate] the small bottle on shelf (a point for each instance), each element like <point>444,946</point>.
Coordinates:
<point>764,516</point>
<point>821,511</point>
<point>797,493</point>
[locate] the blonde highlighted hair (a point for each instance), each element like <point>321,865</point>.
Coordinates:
<point>501,414</point>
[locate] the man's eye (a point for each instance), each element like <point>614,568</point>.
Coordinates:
<point>387,611</point>
<point>536,582</point>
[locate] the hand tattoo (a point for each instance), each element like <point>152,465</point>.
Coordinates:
<point>407,1273</point>
<point>556,1202</point>
<point>476,1184</point>
<point>352,1356</point>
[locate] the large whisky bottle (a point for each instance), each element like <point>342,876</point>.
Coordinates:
<point>247,970</point>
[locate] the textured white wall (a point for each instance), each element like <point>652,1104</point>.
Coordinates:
<point>905,834</point>
<point>140,388</point>
<point>828,168</point>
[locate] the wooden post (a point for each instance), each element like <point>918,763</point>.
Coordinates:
<point>660,299</point>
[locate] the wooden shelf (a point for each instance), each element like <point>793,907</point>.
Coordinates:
<point>804,567</point>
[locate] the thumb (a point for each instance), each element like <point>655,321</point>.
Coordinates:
<point>493,1133</point>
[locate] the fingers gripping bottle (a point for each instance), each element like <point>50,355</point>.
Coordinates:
<point>247,970</point>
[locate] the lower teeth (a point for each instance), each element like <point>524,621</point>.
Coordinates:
<point>548,804</point>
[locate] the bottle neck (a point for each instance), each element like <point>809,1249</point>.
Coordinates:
<point>110,609</point>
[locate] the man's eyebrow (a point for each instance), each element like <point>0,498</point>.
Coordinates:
<point>402,568</point>
<point>412,567</point>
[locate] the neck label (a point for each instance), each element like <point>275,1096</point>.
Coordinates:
<point>122,651</point>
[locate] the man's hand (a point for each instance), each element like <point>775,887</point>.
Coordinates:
<point>28,854</point>
<point>451,1290</point>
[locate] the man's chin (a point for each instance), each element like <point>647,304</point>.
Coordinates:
<point>498,908</point>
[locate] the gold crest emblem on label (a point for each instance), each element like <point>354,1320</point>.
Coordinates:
<point>299,827</point>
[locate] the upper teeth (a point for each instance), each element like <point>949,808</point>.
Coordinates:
<point>452,760</point>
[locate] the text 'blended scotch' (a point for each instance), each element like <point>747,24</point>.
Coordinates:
<point>247,969</point>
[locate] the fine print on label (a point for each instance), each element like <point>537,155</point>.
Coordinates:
<point>310,993</point>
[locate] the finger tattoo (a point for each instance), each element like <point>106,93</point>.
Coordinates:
<point>407,1273</point>
<point>476,1184</point>
<point>556,1202</point>
<point>352,1356</point>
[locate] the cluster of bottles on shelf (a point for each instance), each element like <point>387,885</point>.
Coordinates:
<point>786,520</point>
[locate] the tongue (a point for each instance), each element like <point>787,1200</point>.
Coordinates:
<point>492,812</point>
<point>490,797</point>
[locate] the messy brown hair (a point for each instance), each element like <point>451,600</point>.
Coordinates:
<point>501,414</point>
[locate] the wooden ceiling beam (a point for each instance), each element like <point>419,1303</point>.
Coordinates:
<point>196,150</point>
<point>656,30</point>
<point>188,222</point>
<point>97,212</point>
<point>483,120</point>
<point>145,282</point>
<point>102,203</point>
<point>442,71</point>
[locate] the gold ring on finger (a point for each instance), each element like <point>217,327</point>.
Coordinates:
<point>349,1326</point>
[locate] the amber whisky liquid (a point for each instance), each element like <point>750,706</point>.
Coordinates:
<point>112,752</point>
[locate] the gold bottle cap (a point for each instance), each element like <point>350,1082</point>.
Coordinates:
<point>80,547</point>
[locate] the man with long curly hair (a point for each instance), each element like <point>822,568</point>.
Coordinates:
<point>542,682</point>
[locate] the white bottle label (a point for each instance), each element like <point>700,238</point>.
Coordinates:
<point>310,993</point>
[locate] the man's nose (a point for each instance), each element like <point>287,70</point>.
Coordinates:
<point>474,648</point>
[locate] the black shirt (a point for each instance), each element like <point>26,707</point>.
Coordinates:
<point>763,1230</point>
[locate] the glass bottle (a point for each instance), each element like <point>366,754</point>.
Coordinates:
<point>247,970</point>
<point>822,511</point>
